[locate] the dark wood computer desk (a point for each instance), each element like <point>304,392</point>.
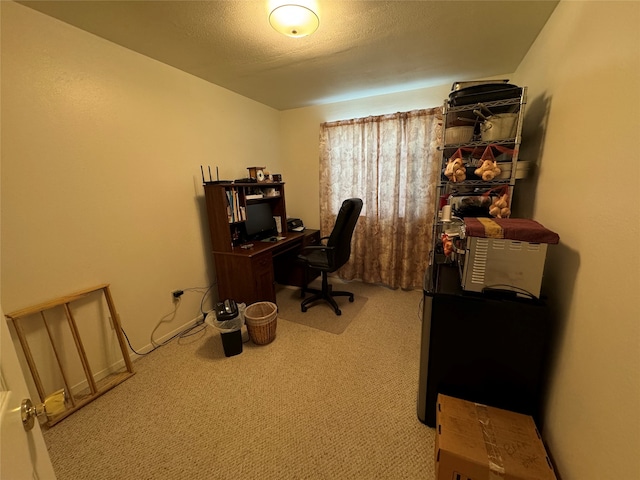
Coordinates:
<point>249,274</point>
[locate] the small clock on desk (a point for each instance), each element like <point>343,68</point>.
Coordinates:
<point>257,173</point>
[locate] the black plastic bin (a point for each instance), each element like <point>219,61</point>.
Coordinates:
<point>229,322</point>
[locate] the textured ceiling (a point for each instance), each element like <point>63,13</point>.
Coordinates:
<point>361,48</point>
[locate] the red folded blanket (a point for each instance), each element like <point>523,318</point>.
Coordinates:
<point>520,229</point>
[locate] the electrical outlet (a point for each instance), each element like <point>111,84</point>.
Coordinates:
<point>176,294</point>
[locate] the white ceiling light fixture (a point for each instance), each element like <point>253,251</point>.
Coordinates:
<point>294,20</point>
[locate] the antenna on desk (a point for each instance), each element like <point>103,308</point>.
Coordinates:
<point>211,180</point>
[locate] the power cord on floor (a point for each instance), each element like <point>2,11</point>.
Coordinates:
<point>188,332</point>
<point>153,343</point>
<point>131,347</point>
<point>204,296</point>
<point>169,317</point>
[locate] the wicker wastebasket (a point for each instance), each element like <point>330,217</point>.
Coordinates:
<point>261,319</point>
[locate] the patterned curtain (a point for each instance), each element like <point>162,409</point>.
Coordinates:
<point>392,163</point>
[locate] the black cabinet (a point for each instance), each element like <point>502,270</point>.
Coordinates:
<point>485,349</point>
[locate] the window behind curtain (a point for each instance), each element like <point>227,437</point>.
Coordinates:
<point>392,163</point>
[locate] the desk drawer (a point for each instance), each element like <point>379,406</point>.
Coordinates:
<point>263,278</point>
<point>312,238</point>
<point>261,263</point>
<point>245,279</point>
<point>288,269</point>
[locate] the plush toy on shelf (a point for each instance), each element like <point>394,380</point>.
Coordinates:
<point>488,170</point>
<point>500,207</point>
<point>455,170</point>
<point>447,244</point>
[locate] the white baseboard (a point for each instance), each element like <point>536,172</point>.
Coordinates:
<point>149,347</point>
<point>119,365</point>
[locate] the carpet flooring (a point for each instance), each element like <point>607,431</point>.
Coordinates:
<point>310,405</point>
<point>321,315</point>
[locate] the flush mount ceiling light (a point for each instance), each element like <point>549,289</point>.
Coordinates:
<point>294,20</point>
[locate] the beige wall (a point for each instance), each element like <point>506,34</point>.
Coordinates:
<point>101,155</point>
<point>583,121</point>
<point>101,151</point>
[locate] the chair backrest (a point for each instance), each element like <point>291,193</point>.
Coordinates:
<point>342,232</point>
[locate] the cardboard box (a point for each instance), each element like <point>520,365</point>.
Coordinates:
<point>478,442</point>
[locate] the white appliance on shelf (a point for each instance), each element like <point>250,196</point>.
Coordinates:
<point>503,264</point>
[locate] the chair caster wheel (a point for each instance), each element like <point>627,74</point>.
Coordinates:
<point>304,309</point>
<point>351,299</point>
<point>338,312</point>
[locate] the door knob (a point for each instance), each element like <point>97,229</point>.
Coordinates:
<point>54,404</point>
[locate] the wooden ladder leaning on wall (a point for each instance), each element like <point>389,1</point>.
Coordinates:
<point>96,388</point>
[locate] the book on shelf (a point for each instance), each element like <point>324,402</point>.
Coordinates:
<point>235,212</point>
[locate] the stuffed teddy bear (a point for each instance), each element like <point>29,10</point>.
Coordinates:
<point>455,170</point>
<point>488,170</point>
<point>447,244</point>
<point>500,207</point>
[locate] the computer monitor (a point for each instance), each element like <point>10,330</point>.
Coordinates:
<point>260,223</point>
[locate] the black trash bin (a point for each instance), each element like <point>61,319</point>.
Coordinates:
<point>229,322</point>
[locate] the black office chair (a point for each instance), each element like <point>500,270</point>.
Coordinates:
<point>331,256</point>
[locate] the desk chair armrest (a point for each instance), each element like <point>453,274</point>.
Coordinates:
<point>316,247</point>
